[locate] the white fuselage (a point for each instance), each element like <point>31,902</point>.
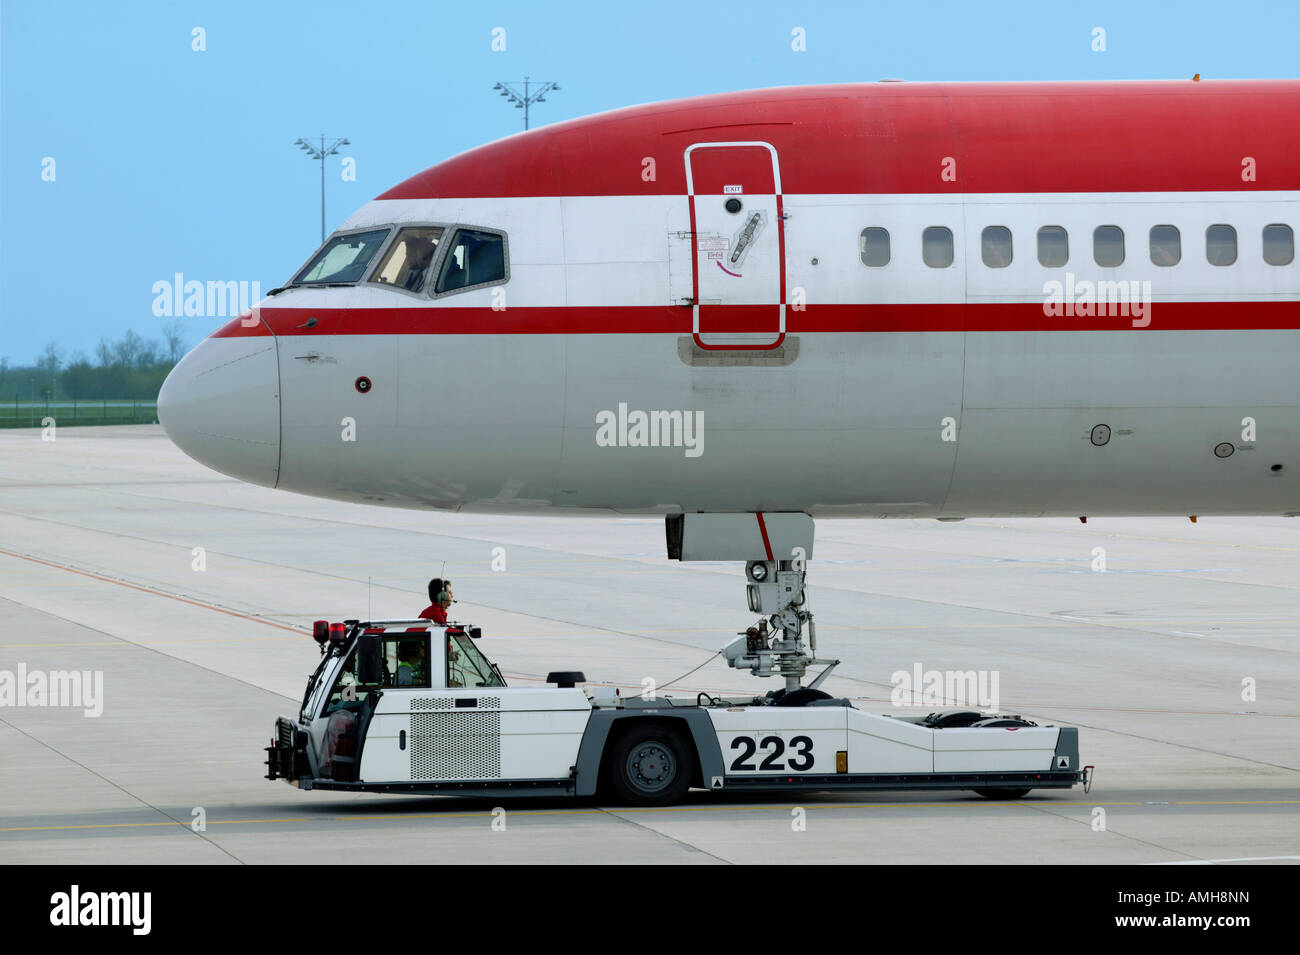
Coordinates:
<point>495,403</point>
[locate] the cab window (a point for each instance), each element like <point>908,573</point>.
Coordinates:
<point>365,669</point>
<point>343,260</point>
<point>406,263</point>
<point>473,258</point>
<point>466,665</point>
<point>348,692</point>
<point>406,660</point>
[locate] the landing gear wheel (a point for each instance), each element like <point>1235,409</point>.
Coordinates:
<point>1001,793</point>
<point>650,766</point>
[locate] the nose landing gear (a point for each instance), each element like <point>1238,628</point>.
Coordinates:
<point>776,589</point>
<point>776,548</point>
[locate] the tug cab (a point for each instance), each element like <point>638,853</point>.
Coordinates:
<point>410,705</point>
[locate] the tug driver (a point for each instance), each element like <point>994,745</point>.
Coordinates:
<point>410,669</point>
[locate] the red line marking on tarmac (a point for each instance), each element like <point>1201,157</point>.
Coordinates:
<point>156,593</point>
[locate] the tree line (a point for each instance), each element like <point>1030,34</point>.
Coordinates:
<point>132,367</point>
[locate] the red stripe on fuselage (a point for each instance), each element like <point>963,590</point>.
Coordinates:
<point>670,319</point>
<point>242,327</point>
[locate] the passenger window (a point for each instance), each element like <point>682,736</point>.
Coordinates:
<point>1108,245</point>
<point>406,264</point>
<point>1053,246</point>
<point>936,247</point>
<point>873,244</point>
<point>343,261</point>
<point>995,246</point>
<point>1166,245</point>
<point>1221,245</point>
<point>1279,244</point>
<point>474,258</point>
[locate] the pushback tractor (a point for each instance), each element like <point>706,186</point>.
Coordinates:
<point>409,706</point>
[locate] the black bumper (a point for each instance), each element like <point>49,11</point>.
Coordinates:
<point>286,757</point>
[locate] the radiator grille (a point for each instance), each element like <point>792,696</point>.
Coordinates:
<point>462,744</point>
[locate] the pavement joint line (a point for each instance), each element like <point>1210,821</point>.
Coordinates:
<point>1048,810</point>
<point>123,641</point>
<point>124,791</point>
<point>987,805</point>
<point>1166,742</point>
<point>1222,861</point>
<point>615,814</point>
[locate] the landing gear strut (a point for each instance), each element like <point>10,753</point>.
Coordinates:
<point>776,589</point>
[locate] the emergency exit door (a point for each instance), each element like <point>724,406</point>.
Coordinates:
<point>737,245</point>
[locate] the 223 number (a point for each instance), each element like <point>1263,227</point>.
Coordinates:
<point>801,758</point>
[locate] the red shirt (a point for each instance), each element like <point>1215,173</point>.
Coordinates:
<point>435,613</point>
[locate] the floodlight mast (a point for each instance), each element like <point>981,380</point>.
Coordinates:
<point>528,97</point>
<point>320,153</point>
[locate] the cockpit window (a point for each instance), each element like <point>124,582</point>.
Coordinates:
<point>406,263</point>
<point>474,258</point>
<point>343,260</point>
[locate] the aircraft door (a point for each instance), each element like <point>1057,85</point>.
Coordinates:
<point>737,245</point>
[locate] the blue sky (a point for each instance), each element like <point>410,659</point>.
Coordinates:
<point>170,160</point>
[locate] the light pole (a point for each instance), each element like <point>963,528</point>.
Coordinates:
<point>320,153</point>
<point>526,99</point>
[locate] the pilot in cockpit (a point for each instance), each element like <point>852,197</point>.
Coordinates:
<point>419,253</point>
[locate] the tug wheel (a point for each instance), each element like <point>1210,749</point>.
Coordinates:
<point>650,766</point>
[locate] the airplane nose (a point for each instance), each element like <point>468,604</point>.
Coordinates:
<point>221,406</point>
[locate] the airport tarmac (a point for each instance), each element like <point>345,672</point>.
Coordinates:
<point>193,594</point>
